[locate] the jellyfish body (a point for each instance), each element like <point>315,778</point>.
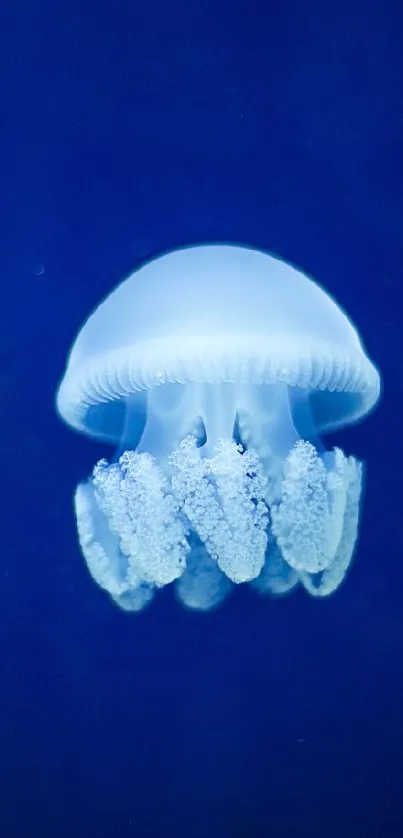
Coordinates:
<point>215,370</point>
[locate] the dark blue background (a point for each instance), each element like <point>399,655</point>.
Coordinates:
<point>127,128</point>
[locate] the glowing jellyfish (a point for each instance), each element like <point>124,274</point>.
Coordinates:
<point>214,370</point>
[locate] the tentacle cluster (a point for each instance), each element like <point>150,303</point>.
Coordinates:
<point>208,522</point>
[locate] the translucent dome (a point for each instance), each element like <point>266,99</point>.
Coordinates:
<point>215,313</point>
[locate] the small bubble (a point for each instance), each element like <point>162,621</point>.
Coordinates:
<point>39,269</point>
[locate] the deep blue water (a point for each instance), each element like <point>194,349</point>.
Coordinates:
<point>128,128</point>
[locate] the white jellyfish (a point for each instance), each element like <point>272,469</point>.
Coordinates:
<point>214,371</point>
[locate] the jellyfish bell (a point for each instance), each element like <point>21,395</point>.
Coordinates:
<point>215,370</point>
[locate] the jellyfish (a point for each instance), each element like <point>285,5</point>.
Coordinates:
<point>215,371</point>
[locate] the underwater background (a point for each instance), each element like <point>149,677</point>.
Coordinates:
<point>130,128</point>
